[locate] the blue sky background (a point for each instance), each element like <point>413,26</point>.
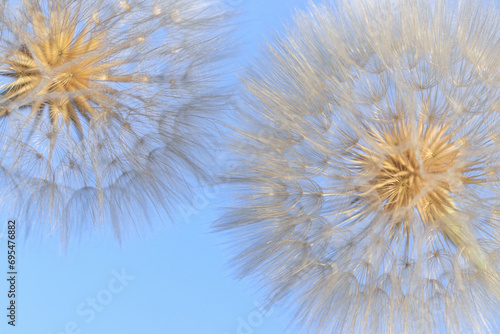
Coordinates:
<point>181,281</point>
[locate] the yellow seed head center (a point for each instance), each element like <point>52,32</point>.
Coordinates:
<point>74,57</point>
<point>414,168</point>
<point>399,181</point>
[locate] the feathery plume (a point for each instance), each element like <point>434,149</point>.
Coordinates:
<point>106,108</point>
<point>368,168</point>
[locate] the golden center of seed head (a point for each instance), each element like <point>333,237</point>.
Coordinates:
<point>399,181</point>
<point>415,177</point>
<point>415,174</point>
<point>55,42</point>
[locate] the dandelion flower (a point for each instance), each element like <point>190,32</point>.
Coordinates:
<point>368,168</point>
<point>105,108</point>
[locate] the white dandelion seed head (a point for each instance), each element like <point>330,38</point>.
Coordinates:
<point>100,122</point>
<point>368,168</point>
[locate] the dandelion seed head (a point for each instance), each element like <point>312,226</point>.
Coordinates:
<point>406,164</point>
<point>367,170</point>
<point>67,61</point>
<point>85,95</point>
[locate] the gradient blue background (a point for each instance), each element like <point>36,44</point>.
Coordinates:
<point>182,283</point>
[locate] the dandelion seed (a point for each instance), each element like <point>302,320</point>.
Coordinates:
<point>85,105</point>
<point>368,176</point>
